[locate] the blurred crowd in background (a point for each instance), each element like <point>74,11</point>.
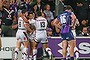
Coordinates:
<point>10,9</point>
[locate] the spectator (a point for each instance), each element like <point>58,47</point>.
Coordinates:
<point>49,14</point>
<point>49,32</point>
<point>29,5</point>
<point>84,23</point>
<point>55,31</point>
<point>40,5</point>
<point>81,11</point>
<point>22,5</point>
<point>35,9</point>
<point>14,28</point>
<point>8,18</point>
<point>84,32</point>
<point>14,6</point>
<point>89,15</point>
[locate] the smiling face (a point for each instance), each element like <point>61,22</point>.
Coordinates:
<point>31,16</point>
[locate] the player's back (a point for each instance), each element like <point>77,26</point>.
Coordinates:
<point>41,23</point>
<point>41,34</point>
<point>65,20</point>
<point>21,24</point>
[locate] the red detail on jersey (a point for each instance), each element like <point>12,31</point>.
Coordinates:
<point>25,38</point>
<point>41,20</point>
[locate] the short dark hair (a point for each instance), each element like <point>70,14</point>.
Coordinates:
<point>30,12</point>
<point>67,7</point>
<point>24,11</point>
<point>39,13</point>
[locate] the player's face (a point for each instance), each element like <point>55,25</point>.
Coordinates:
<point>26,14</point>
<point>30,16</point>
<point>70,10</point>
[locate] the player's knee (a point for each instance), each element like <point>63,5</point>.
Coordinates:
<point>16,49</point>
<point>25,49</point>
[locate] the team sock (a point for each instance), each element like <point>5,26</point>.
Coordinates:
<point>64,58</point>
<point>16,53</point>
<point>34,54</point>
<point>30,57</point>
<point>24,54</point>
<point>48,50</point>
<point>71,58</point>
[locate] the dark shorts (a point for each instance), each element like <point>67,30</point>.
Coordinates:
<point>67,36</point>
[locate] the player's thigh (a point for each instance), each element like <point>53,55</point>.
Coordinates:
<point>35,45</point>
<point>24,36</point>
<point>31,43</point>
<point>44,38</point>
<point>71,43</point>
<point>26,44</point>
<point>18,44</point>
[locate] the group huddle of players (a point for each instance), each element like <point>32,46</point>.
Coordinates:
<point>32,31</point>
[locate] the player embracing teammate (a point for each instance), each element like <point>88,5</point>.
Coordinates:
<point>33,31</point>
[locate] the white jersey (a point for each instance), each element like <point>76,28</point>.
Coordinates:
<point>21,34</point>
<point>41,23</point>
<point>21,23</point>
<point>31,36</point>
<point>32,22</point>
<point>40,33</point>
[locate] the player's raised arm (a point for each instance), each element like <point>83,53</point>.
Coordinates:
<point>23,17</point>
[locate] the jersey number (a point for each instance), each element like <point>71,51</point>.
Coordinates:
<point>19,24</point>
<point>42,24</point>
<point>63,18</point>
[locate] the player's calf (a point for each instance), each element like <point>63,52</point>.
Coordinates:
<point>24,54</point>
<point>34,54</point>
<point>48,50</point>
